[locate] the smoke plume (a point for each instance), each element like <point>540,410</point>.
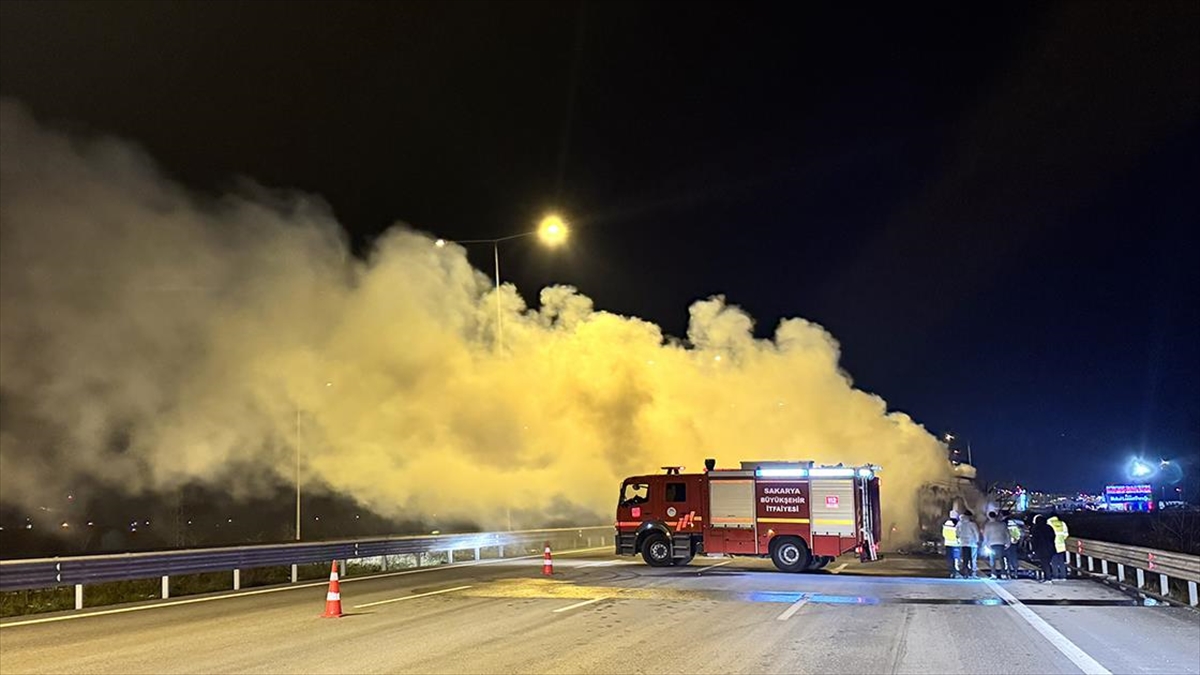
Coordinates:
<point>152,337</point>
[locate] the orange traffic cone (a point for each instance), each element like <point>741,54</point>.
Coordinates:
<point>547,562</point>
<point>333,599</point>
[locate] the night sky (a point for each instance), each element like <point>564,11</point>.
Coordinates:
<point>995,213</point>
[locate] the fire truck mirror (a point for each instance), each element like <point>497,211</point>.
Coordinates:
<point>635,493</point>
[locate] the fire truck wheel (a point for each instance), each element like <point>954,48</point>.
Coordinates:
<point>680,562</point>
<point>790,554</point>
<point>656,550</point>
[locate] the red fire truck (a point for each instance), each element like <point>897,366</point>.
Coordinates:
<point>799,514</point>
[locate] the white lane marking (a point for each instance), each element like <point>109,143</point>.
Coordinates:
<point>290,587</point>
<point>839,568</point>
<point>412,597</point>
<point>787,613</point>
<point>579,604</point>
<point>1069,649</point>
<point>709,567</point>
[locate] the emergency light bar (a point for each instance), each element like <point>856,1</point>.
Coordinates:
<point>782,473</point>
<point>831,473</point>
<point>817,472</point>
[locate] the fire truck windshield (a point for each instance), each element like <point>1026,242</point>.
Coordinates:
<point>634,493</point>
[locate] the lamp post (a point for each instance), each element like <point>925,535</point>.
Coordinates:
<point>552,231</point>
<point>297,473</point>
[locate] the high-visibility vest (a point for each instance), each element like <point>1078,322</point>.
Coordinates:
<point>950,533</point>
<point>1060,534</point>
<point>1014,533</point>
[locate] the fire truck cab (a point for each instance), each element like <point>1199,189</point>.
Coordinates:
<point>800,515</point>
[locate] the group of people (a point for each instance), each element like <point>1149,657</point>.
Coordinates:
<point>999,540</point>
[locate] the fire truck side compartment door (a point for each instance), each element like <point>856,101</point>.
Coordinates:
<point>731,503</point>
<point>832,507</point>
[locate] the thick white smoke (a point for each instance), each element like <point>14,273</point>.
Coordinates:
<point>151,337</point>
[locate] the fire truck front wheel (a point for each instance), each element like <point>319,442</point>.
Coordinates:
<point>789,554</point>
<point>656,550</point>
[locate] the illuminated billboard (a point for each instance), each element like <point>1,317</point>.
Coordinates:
<point>1129,497</point>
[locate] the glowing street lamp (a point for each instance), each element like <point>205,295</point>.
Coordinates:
<point>551,231</point>
<point>1140,469</point>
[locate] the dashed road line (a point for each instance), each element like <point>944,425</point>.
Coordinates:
<point>412,597</point>
<point>604,563</point>
<point>709,567</point>
<point>795,607</point>
<point>579,604</point>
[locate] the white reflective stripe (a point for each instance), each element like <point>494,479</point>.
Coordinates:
<point>333,596</point>
<point>333,576</point>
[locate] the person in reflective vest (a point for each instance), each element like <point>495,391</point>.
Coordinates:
<point>950,541</point>
<point>1058,564</point>
<point>1012,557</point>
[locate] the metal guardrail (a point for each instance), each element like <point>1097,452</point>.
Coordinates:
<point>91,569</point>
<point>1166,564</point>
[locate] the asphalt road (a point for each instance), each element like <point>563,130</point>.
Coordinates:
<point>600,614</point>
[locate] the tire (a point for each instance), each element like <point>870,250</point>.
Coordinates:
<point>816,562</point>
<point>680,562</point>
<point>656,550</point>
<point>790,554</point>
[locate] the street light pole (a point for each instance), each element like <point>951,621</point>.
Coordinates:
<point>552,231</point>
<point>499,320</point>
<point>327,384</point>
<point>297,473</point>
